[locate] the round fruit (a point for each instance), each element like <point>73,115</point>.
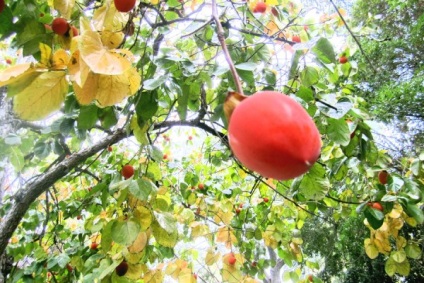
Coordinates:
<point>124,5</point>
<point>194,275</point>
<point>272,134</point>
<point>122,268</point>
<point>232,259</point>
<point>378,206</point>
<point>127,171</point>
<point>8,61</point>
<point>383,176</point>
<point>201,186</point>
<point>94,246</point>
<point>260,7</point>
<point>60,26</point>
<point>296,38</point>
<point>69,267</point>
<point>238,210</point>
<point>109,148</point>
<point>310,278</point>
<point>343,60</point>
<point>2,5</point>
<point>266,199</point>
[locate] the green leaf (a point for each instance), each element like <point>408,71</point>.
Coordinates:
<point>6,21</point>
<point>324,51</point>
<point>63,259</point>
<point>106,240</point>
<point>305,93</point>
<point>295,64</point>
<point>16,158</point>
<point>338,131</point>
<point>413,251</point>
<point>146,107</point>
<point>248,66</point>
<point>414,211</point>
<point>309,76</point>
<point>375,217</point>
<point>108,117</point>
<point>87,117</point>
<point>390,267</point>
<point>162,237</point>
<point>403,268</point>
<point>42,149</point>
<point>141,189</point>
<point>12,139</point>
<point>398,256</point>
<point>152,84</point>
<point>313,184</point>
<point>125,231</point>
<point>166,221</point>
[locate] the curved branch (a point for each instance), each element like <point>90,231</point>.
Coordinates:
<point>26,196</point>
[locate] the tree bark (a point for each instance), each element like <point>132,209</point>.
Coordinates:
<point>25,196</point>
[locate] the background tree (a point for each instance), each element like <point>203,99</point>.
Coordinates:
<point>392,39</point>
<point>122,169</point>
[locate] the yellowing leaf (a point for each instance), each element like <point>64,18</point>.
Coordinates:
<point>64,7</point>
<point>403,268</point>
<point>199,229</point>
<point>163,237</point>
<point>21,72</point>
<point>370,249</point>
<point>212,257</point>
<point>139,244</point>
<point>108,90</point>
<point>144,216</point>
<point>108,18</point>
<point>42,96</point>
<point>225,235</point>
<point>99,59</point>
<point>186,276</point>
<point>60,59</point>
<point>46,55</point>
<point>112,39</point>
<point>154,276</point>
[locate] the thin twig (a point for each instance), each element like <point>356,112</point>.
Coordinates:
<point>221,38</point>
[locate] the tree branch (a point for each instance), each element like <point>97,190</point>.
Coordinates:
<point>25,196</point>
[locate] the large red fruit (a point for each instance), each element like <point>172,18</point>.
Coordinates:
<point>60,26</point>
<point>124,5</point>
<point>272,134</point>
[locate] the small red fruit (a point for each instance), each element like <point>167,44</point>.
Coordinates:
<point>122,268</point>
<point>165,156</point>
<point>378,206</point>
<point>93,246</point>
<point>201,186</point>
<point>190,138</point>
<point>79,217</point>
<point>254,264</point>
<point>109,148</point>
<point>266,199</point>
<point>232,259</point>
<point>60,26</point>
<point>127,171</point>
<point>383,176</point>
<point>124,5</point>
<point>8,61</point>
<point>296,38</point>
<point>69,267</point>
<point>241,205</point>
<point>310,278</point>
<point>272,134</point>
<point>194,275</point>
<point>260,7</point>
<point>343,60</point>
<point>238,210</point>
<point>2,5</point>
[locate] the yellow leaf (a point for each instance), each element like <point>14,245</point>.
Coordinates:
<point>144,216</point>
<point>212,257</point>
<point>172,270</point>
<point>64,7</point>
<point>403,268</point>
<point>370,249</point>
<point>199,229</point>
<point>162,237</point>
<point>139,133</point>
<point>186,276</point>
<point>60,60</point>
<point>108,90</point>
<point>139,244</point>
<point>112,39</point>
<point>42,96</point>
<point>99,59</point>
<point>108,18</point>
<point>154,276</point>
<point>225,235</point>
<point>46,55</point>
<point>135,271</point>
<point>21,72</point>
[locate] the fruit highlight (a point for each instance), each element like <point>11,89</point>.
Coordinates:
<point>272,134</point>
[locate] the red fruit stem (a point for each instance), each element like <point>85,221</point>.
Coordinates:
<point>221,38</point>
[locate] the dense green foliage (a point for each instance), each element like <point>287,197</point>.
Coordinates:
<point>147,89</point>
